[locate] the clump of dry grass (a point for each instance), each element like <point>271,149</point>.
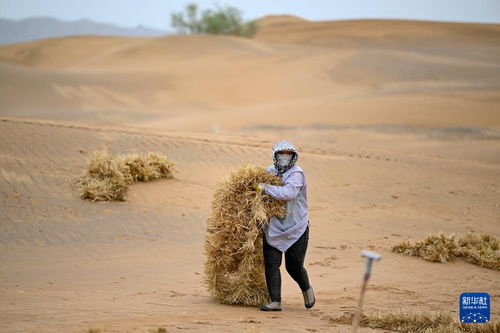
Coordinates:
<point>408,321</point>
<point>94,330</point>
<point>152,166</point>
<point>234,270</point>
<point>435,247</point>
<point>490,327</point>
<point>158,330</point>
<point>478,249</point>
<point>411,322</point>
<point>482,250</point>
<point>106,177</point>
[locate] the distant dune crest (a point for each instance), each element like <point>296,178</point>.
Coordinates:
<point>270,20</point>
<point>294,72</point>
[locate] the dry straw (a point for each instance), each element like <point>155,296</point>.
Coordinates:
<point>107,176</point>
<point>482,250</point>
<point>411,322</point>
<point>234,270</point>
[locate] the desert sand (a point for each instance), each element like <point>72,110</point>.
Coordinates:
<point>398,128</point>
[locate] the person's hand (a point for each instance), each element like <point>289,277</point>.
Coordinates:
<point>260,187</point>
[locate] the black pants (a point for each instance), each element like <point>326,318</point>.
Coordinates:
<point>294,263</point>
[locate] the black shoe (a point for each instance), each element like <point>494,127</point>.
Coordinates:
<point>309,299</point>
<point>274,306</point>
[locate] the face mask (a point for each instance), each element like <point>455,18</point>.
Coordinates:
<point>283,159</point>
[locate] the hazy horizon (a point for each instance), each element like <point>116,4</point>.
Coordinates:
<point>156,13</point>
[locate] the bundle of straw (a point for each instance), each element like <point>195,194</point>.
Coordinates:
<point>482,250</point>
<point>414,322</point>
<point>106,177</point>
<point>234,270</point>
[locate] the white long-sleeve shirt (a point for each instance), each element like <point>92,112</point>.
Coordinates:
<point>283,233</point>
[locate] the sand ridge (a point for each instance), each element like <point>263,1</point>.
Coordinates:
<point>147,253</point>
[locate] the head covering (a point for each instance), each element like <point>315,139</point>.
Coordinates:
<point>281,146</point>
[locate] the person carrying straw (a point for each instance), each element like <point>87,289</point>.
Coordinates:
<point>289,235</point>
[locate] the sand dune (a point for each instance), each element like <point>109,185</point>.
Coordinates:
<point>344,72</point>
<point>398,126</point>
<point>380,33</point>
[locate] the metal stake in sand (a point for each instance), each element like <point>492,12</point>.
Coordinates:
<point>370,256</point>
